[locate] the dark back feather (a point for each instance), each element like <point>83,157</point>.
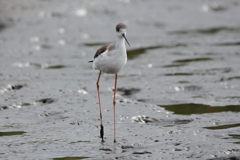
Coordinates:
<point>103,49</point>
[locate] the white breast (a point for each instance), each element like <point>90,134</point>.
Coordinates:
<point>111,61</point>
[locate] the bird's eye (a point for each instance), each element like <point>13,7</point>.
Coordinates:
<point>117,29</point>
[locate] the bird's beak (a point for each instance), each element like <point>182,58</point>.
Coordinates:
<point>126,39</point>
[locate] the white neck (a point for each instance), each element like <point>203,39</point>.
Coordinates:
<point>120,42</point>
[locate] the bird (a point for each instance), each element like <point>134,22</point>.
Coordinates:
<point>110,59</point>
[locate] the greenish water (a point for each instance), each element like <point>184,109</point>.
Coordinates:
<point>191,108</point>
<point>70,158</point>
<point>209,31</point>
<point>12,133</point>
<point>223,126</point>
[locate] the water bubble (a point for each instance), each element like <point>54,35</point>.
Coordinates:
<point>82,91</point>
<point>81,12</point>
<point>37,47</point>
<point>62,42</point>
<point>85,36</point>
<point>34,39</point>
<point>149,65</point>
<point>61,30</point>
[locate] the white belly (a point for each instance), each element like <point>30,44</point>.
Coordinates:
<point>111,62</point>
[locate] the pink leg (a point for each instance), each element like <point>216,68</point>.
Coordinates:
<point>100,108</point>
<point>114,106</point>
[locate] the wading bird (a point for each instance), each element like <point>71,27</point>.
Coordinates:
<point>110,59</point>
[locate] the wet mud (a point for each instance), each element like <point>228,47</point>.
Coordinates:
<point>177,98</point>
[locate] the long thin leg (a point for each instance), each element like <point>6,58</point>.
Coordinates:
<point>114,106</point>
<point>100,108</point>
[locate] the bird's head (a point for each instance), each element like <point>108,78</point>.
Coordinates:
<point>121,31</point>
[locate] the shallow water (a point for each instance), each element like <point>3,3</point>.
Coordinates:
<point>177,98</point>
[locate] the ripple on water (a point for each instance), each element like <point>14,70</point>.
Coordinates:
<point>178,74</point>
<point>12,133</point>
<point>12,87</point>
<point>193,60</point>
<point>175,65</point>
<point>226,158</point>
<point>228,44</point>
<point>55,67</point>
<point>142,119</point>
<point>192,108</point>
<point>223,126</point>
<point>128,91</point>
<point>2,26</point>
<point>234,137</point>
<point>230,78</point>
<point>70,158</point>
<point>93,44</point>
<point>46,100</point>
<point>207,31</point>
<point>133,53</point>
